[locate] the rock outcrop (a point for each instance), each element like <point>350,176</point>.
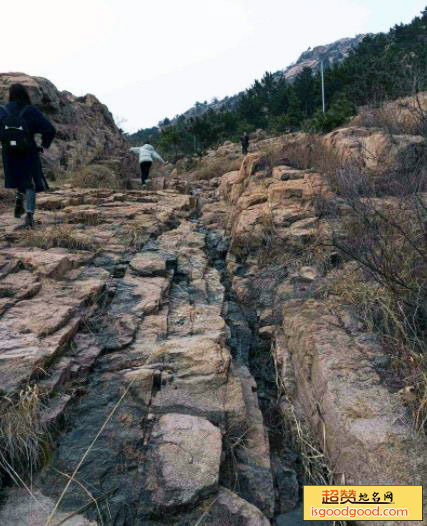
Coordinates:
<point>367,430</point>
<point>372,149</point>
<point>119,328</point>
<point>86,132</point>
<point>330,54</point>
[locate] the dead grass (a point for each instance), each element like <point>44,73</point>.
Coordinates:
<point>211,167</point>
<point>134,236</point>
<point>23,434</point>
<point>272,153</point>
<point>316,466</point>
<point>308,152</point>
<point>234,438</point>
<point>89,217</point>
<point>58,236</point>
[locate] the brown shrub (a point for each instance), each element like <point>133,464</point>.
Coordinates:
<point>273,152</point>
<point>405,116</point>
<point>134,236</point>
<point>307,151</point>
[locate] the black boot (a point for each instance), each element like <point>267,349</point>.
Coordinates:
<point>19,205</point>
<point>29,220</point>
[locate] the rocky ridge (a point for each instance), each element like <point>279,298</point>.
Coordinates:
<point>330,54</point>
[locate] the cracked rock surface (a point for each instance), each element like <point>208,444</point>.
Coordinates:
<point>156,348</point>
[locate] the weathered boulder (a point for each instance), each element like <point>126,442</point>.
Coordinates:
<point>148,264</point>
<point>203,382</point>
<point>183,461</point>
<point>230,510</point>
<point>24,509</point>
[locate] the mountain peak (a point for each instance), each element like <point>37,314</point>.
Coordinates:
<point>330,54</point>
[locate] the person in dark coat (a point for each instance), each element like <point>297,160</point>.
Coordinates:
<point>24,171</point>
<point>244,141</point>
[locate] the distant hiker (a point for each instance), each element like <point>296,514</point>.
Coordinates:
<point>19,122</point>
<point>147,155</point>
<point>244,141</point>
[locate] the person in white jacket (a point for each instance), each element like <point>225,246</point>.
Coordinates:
<point>147,155</point>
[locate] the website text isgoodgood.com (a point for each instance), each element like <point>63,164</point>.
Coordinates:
<point>352,513</point>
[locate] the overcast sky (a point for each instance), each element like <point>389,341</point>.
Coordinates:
<point>153,59</point>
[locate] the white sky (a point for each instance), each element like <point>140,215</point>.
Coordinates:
<point>153,59</point>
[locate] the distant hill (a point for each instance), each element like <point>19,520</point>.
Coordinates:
<point>330,54</point>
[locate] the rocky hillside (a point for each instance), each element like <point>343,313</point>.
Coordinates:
<point>192,354</point>
<point>86,132</point>
<point>329,53</point>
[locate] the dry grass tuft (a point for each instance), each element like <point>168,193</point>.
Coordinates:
<point>23,434</point>
<point>273,154</point>
<point>58,236</point>
<point>234,438</point>
<point>317,468</point>
<point>135,236</point>
<point>307,151</point>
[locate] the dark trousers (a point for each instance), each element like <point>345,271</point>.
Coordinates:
<point>245,148</point>
<point>145,170</point>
